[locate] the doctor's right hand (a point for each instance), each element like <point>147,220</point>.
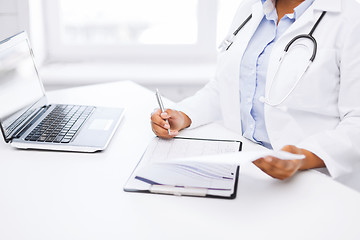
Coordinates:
<point>176,121</point>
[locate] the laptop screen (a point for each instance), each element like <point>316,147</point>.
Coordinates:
<point>20,86</point>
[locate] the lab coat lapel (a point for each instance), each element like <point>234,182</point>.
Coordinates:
<point>302,26</point>
<point>273,115</point>
<point>257,15</point>
<point>235,54</point>
<point>327,5</point>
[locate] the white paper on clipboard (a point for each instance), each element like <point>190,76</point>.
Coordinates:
<point>157,173</point>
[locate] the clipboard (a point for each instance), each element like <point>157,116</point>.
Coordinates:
<point>157,171</point>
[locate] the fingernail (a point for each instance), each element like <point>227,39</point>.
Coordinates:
<point>166,126</point>
<point>268,159</point>
<point>164,114</point>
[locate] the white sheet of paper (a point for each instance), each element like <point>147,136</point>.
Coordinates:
<point>157,166</point>
<point>238,158</point>
<point>166,150</point>
<point>201,165</point>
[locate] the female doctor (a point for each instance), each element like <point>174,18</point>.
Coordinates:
<point>288,77</point>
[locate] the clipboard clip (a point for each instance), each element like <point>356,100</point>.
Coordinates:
<point>178,190</point>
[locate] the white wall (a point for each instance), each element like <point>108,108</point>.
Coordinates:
<point>19,15</point>
<point>9,22</point>
<point>14,17</point>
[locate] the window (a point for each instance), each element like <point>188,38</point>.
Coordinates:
<point>162,30</point>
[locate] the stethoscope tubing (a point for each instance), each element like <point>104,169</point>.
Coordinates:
<point>286,49</point>
<point>308,36</point>
<point>238,30</point>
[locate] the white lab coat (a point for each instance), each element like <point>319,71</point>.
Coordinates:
<point>322,114</point>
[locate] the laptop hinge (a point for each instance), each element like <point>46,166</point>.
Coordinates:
<point>29,122</point>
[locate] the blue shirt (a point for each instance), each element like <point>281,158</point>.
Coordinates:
<point>253,69</point>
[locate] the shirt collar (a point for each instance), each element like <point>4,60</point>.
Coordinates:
<point>270,11</point>
<point>301,8</point>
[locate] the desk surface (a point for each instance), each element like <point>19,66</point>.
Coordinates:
<point>60,195</point>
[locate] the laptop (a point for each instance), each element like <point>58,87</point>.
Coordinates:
<point>27,121</point>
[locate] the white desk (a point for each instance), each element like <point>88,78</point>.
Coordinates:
<point>56,195</point>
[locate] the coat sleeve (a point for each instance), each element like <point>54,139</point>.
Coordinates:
<point>204,106</point>
<point>340,147</point>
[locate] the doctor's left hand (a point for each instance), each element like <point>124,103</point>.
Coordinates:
<point>283,169</point>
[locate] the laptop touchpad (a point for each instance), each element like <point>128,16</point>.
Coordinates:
<point>101,124</point>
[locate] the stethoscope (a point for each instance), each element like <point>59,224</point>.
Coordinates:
<point>226,44</point>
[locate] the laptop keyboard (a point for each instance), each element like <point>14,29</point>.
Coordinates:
<point>18,122</point>
<point>61,125</point>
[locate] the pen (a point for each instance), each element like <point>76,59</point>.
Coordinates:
<point>158,97</point>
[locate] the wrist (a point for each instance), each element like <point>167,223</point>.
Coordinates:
<point>187,120</point>
<point>310,161</point>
